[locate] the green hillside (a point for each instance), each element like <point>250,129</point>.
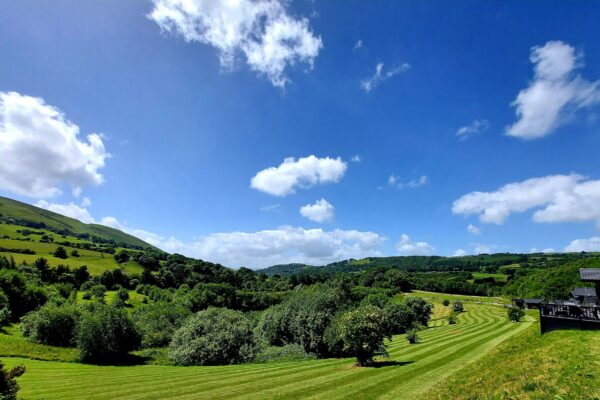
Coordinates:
<point>18,213</point>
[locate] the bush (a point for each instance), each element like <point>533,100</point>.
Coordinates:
<point>421,308</point>
<point>412,336</point>
<point>446,303</point>
<point>452,320</point>
<point>287,353</point>
<point>362,332</point>
<point>105,334</point>
<point>458,306</point>
<point>60,252</point>
<point>74,253</point>
<point>376,299</point>
<point>515,314</point>
<point>52,325</point>
<point>400,318</point>
<point>215,336</point>
<point>86,296</point>
<point>121,297</point>
<point>20,292</point>
<point>158,322</point>
<point>122,257</point>
<point>8,384</point>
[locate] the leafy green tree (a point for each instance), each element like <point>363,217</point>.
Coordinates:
<point>458,306</point>
<point>400,318</point>
<point>362,332</point>
<point>452,320</point>
<point>60,252</point>
<point>215,336</point>
<point>412,336</point>
<point>98,292</point>
<point>446,302</point>
<point>105,334</point>
<point>515,314</point>
<point>21,292</point>
<point>158,322</point>
<point>421,308</point>
<point>121,297</point>
<point>376,299</point>
<point>8,384</point>
<point>122,256</point>
<point>52,324</point>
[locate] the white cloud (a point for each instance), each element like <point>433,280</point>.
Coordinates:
<point>407,247</point>
<point>272,208</point>
<point>320,211</point>
<point>263,32</point>
<point>71,210</point>
<point>481,248</point>
<point>477,126</point>
<point>41,151</point>
<point>382,75</point>
<point>578,245</point>
<point>303,173</point>
<point>358,44</point>
<point>356,158</point>
<point>545,251</point>
<point>472,229</point>
<point>459,253</point>
<point>560,198</point>
<point>555,92</point>
<point>282,245</point>
<point>394,180</point>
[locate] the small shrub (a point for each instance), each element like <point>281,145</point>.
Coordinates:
<point>5,315</point>
<point>158,322</point>
<point>446,303</point>
<point>412,336</point>
<point>515,314</point>
<point>458,306</point>
<point>8,384</point>
<point>74,253</point>
<point>51,324</point>
<point>105,334</point>
<point>86,296</point>
<point>215,336</point>
<point>452,320</point>
<point>60,252</point>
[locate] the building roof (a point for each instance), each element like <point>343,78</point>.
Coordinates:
<point>589,274</point>
<point>583,292</point>
<point>533,301</point>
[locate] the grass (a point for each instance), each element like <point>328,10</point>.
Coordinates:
<point>497,277</point>
<point>410,370</point>
<point>134,302</point>
<point>13,344</point>
<point>96,262</point>
<point>558,365</point>
<point>433,297</point>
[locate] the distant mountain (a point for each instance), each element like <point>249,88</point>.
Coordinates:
<point>18,213</point>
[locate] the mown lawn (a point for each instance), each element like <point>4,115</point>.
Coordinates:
<point>560,365</point>
<point>409,371</point>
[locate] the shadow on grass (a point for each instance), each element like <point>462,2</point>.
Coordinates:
<point>384,364</point>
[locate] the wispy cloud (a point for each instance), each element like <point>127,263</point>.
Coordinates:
<point>381,75</point>
<point>477,126</point>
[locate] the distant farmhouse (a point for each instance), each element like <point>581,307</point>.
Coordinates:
<point>581,311</point>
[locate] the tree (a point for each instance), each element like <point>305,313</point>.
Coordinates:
<point>446,303</point>
<point>458,306</point>
<point>52,324</point>
<point>60,252</point>
<point>98,292</point>
<point>452,320</point>
<point>362,332</point>
<point>215,336</point>
<point>400,318</point>
<point>158,322</point>
<point>515,314</point>
<point>121,297</point>
<point>122,257</point>
<point>412,336</point>
<point>105,334</point>
<point>74,253</point>
<point>8,384</point>
<point>421,308</point>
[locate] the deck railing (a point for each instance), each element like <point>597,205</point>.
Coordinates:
<point>570,311</point>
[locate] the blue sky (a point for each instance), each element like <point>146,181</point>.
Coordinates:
<point>190,117</point>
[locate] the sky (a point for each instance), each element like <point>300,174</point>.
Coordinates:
<point>253,133</point>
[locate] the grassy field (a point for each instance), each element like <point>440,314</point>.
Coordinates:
<point>409,371</point>
<point>497,277</point>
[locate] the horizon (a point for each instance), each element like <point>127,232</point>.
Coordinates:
<point>310,133</point>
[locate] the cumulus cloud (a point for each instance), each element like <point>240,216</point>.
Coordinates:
<point>286,244</point>
<point>578,245</point>
<point>320,211</point>
<point>409,248</point>
<point>381,75</point>
<point>555,92</point>
<point>477,126</point>
<point>263,32</point>
<point>474,230</point>
<point>304,173</point>
<point>559,198</point>
<point>72,210</point>
<point>41,151</point>
<point>459,253</point>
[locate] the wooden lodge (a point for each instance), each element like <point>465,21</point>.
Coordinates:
<point>582,311</point>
